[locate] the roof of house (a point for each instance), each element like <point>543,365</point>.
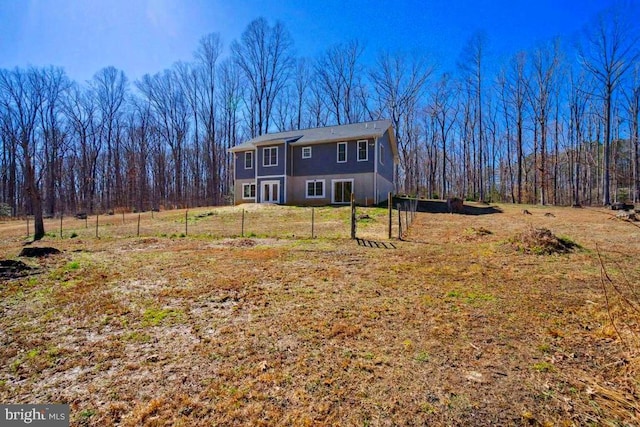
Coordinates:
<point>364,130</point>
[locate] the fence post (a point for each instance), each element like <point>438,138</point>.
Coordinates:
<point>61,226</point>
<point>399,220</point>
<point>186,222</point>
<point>406,215</point>
<point>313,219</point>
<point>138,232</point>
<point>353,216</point>
<point>122,216</point>
<point>97,225</point>
<point>28,226</point>
<point>242,227</point>
<point>390,208</point>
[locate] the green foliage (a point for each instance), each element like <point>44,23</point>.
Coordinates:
<point>423,356</point>
<point>155,316</point>
<point>73,265</point>
<point>87,413</point>
<point>543,367</point>
<point>5,210</point>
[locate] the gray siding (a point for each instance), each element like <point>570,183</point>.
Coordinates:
<point>324,160</point>
<point>385,165</point>
<point>237,191</point>
<point>241,172</point>
<point>362,187</point>
<point>271,170</point>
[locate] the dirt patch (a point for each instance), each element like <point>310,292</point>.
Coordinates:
<point>38,252</point>
<point>475,233</point>
<point>240,243</point>
<point>10,269</point>
<point>541,241</point>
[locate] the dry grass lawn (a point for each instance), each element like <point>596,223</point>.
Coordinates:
<point>462,324</point>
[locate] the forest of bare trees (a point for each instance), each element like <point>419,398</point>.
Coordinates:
<point>554,124</point>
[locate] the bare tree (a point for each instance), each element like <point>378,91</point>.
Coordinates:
<point>338,73</point>
<point>230,98</point>
<point>110,89</point>
<point>632,98</point>
<point>55,84</point>
<point>444,110</point>
<point>516,94</point>
<point>610,49</point>
<point>264,53</point>
<point>80,111</point>
<point>207,55</point>
<point>171,109</point>
<point>22,94</point>
<point>472,65</point>
<point>399,83</point>
<point>545,63</point>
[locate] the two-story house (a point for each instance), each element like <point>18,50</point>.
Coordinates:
<point>318,166</point>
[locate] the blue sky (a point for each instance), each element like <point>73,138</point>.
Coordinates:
<point>147,36</point>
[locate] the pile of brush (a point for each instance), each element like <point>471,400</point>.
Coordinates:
<point>541,241</point>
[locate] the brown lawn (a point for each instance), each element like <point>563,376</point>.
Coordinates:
<point>454,327</point>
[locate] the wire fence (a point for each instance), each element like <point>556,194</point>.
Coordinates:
<point>250,220</point>
<point>407,211</point>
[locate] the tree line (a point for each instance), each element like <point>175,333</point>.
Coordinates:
<point>551,125</point>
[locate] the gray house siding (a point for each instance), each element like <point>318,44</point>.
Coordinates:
<point>271,170</point>
<point>324,159</point>
<point>241,172</point>
<point>362,188</point>
<point>386,164</point>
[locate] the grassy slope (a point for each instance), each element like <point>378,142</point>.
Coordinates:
<point>453,327</point>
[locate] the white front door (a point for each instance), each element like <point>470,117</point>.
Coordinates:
<point>270,191</point>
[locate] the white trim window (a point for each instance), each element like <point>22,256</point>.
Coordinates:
<point>363,151</point>
<point>381,154</point>
<point>306,152</point>
<point>315,189</point>
<point>269,156</point>
<point>342,152</point>
<point>248,159</point>
<point>249,191</point>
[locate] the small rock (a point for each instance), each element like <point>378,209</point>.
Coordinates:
<point>474,376</point>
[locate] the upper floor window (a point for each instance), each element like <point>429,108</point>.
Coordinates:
<point>270,156</point>
<point>306,152</point>
<point>248,160</point>
<point>381,154</point>
<point>363,151</point>
<point>342,152</point>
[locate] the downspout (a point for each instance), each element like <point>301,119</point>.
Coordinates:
<point>284,192</point>
<point>292,176</point>
<point>235,178</point>
<point>375,171</point>
<point>257,199</point>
